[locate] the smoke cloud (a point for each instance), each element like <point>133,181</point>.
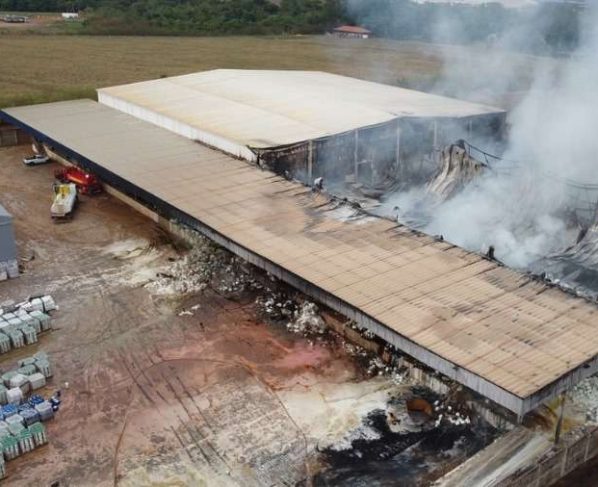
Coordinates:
<point>530,204</point>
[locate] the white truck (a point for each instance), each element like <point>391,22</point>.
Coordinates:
<point>65,199</point>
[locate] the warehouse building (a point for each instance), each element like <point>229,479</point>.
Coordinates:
<point>8,247</point>
<point>308,124</point>
<point>502,334</point>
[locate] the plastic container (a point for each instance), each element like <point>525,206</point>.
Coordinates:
<point>7,376</point>
<point>10,447</point>
<point>30,334</point>
<point>5,327</point>
<point>9,410</point>
<point>26,361</point>
<point>15,418</point>
<point>17,338</point>
<point>22,382</point>
<point>38,431</point>
<point>45,410</point>
<point>15,395</point>
<point>43,318</point>
<point>27,370</point>
<point>35,304</point>
<point>23,407</point>
<point>4,343</point>
<point>30,416</point>
<point>31,321</point>
<point>37,381</point>
<point>35,399</point>
<point>25,318</point>
<point>40,356</point>
<point>26,443</point>
<point>16,322</point>
<point>43,366</point>
<point>48,303</point>
<point>15,428</point>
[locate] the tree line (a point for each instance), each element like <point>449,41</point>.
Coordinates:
<point>549,26</point>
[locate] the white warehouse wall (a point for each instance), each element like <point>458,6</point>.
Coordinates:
<point>212,140</point>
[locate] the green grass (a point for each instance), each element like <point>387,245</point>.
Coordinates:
<point>40,68</point>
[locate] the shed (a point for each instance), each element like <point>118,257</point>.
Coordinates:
<point>352,31</point>
<point>8,246</point>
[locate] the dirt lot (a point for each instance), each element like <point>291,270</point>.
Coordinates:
<point>194,389</point>
<point>154,396</point>
<point>36,21</point>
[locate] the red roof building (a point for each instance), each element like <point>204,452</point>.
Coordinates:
<point>352,31</point>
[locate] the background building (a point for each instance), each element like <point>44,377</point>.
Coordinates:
<point>352,31</point>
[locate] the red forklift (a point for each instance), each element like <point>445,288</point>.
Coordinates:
<point>86,183</point>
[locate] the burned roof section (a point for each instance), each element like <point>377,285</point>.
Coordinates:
<point>501,333</point>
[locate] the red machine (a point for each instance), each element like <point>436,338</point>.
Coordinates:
<point>86,183</point>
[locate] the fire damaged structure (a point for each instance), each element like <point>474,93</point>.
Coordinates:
<point>504,335</point>
<point>306,125</point>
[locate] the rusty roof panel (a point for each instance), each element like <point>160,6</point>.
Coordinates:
<point>493,322</point>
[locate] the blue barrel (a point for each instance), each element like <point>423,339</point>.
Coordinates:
<point>24,406</point>
<point>9,410</point>
<point>35,399</point>
<point>30,416</point>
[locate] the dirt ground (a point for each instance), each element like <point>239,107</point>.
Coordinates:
<point>36,21</point>
<point>195,389</point>
<point>153,396</point>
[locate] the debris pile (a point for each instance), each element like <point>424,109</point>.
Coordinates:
<point>276,306</point>
<point>455,415</point>
<point>306,320</point>
<point>457,170</point>
<point>585,395</point>
<point>206,264</point>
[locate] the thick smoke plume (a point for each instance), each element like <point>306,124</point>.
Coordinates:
<point>534,201</point>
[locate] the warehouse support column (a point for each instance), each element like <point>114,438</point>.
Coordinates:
<point>398,152</point>
<point>310,161</point>
<point>356,155</point>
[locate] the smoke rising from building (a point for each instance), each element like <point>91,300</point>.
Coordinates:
<point>534,201</point>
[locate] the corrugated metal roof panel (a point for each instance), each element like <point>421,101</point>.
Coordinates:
<point>493,322</point>
<point>273,108</point>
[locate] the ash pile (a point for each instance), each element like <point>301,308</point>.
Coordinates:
<point>205,265</point>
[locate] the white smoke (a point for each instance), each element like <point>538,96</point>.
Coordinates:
<point>525,212</point>
<point>553,135</point>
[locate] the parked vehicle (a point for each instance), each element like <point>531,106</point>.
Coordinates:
<point>36,159</point>
<point>65,199</point>
<point>86,183</point>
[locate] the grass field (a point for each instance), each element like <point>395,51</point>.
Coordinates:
<point>39,68</point>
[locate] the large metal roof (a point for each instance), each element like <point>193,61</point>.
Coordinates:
<point>264,109</point>
<point>501,333</point>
